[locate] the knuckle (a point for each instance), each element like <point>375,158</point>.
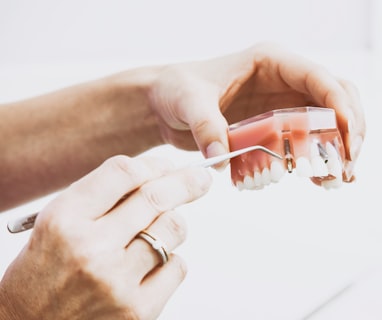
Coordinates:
<point>176,225</point>
<point>196,184</point>
<point>127,166</point>
<point>138,170</point>
<point>54,229</point>
<point>155,199</point>
<point>175,189</point>
<point>51,221</point>
<point>202,126</point>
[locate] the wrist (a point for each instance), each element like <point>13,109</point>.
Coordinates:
<point>133,118</point>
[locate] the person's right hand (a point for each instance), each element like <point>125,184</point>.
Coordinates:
<point>84,260</point>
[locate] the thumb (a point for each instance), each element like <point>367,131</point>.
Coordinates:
<point>209,127</point>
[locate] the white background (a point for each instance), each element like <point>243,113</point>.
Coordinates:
<point>251,255</point>
<point>146,29</point>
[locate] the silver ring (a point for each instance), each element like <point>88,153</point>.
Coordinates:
<point>156,244</point>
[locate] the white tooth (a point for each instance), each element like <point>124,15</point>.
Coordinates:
<point>277,171</point>
<point>258,181</point>
<point>334,183</point>
<point>319,167</point>
<point>331,150</point>
<point>335,167</point>
<point>304,168</point>
<point>240,185</point>
<point>249,182</point>
<point>266,176</point>
<point>314,151</point>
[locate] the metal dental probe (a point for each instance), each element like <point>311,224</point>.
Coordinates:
<point>215,160</point>
<point>27,222</point>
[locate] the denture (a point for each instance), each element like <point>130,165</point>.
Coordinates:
<point>306,137</point>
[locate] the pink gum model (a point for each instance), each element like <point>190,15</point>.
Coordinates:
<point>306,137</point>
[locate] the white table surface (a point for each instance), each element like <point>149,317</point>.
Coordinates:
<point>277,253</point>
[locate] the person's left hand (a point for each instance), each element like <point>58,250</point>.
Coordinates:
<point>196,101</point>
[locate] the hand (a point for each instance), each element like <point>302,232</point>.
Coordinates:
<point>196,101</point>
<point>83,260</point>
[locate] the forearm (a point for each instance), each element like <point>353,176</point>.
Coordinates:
<point>49,141</point>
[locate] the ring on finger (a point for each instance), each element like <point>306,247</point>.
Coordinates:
<point>156,244</point>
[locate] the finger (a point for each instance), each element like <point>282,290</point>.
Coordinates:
<point>160,285</point>
<point>202,113</point>
<point>151,199</point>
<point>304,76</point>
<point>350,119</point>
<point>327,91</point>
<point>209,129</point>
<point>96,193</point>
<point>169,229</point>
<point>210,133</point>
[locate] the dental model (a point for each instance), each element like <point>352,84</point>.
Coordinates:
<point>306,137</point>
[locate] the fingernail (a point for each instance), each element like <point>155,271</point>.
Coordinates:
<point>355,150</point>
<point>351,121</point>
<point>215,148</point>
<point>355,147</point>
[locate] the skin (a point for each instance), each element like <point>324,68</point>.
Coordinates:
<point>64,271</point>
<point>52,140</point>
<point>235,87</point>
